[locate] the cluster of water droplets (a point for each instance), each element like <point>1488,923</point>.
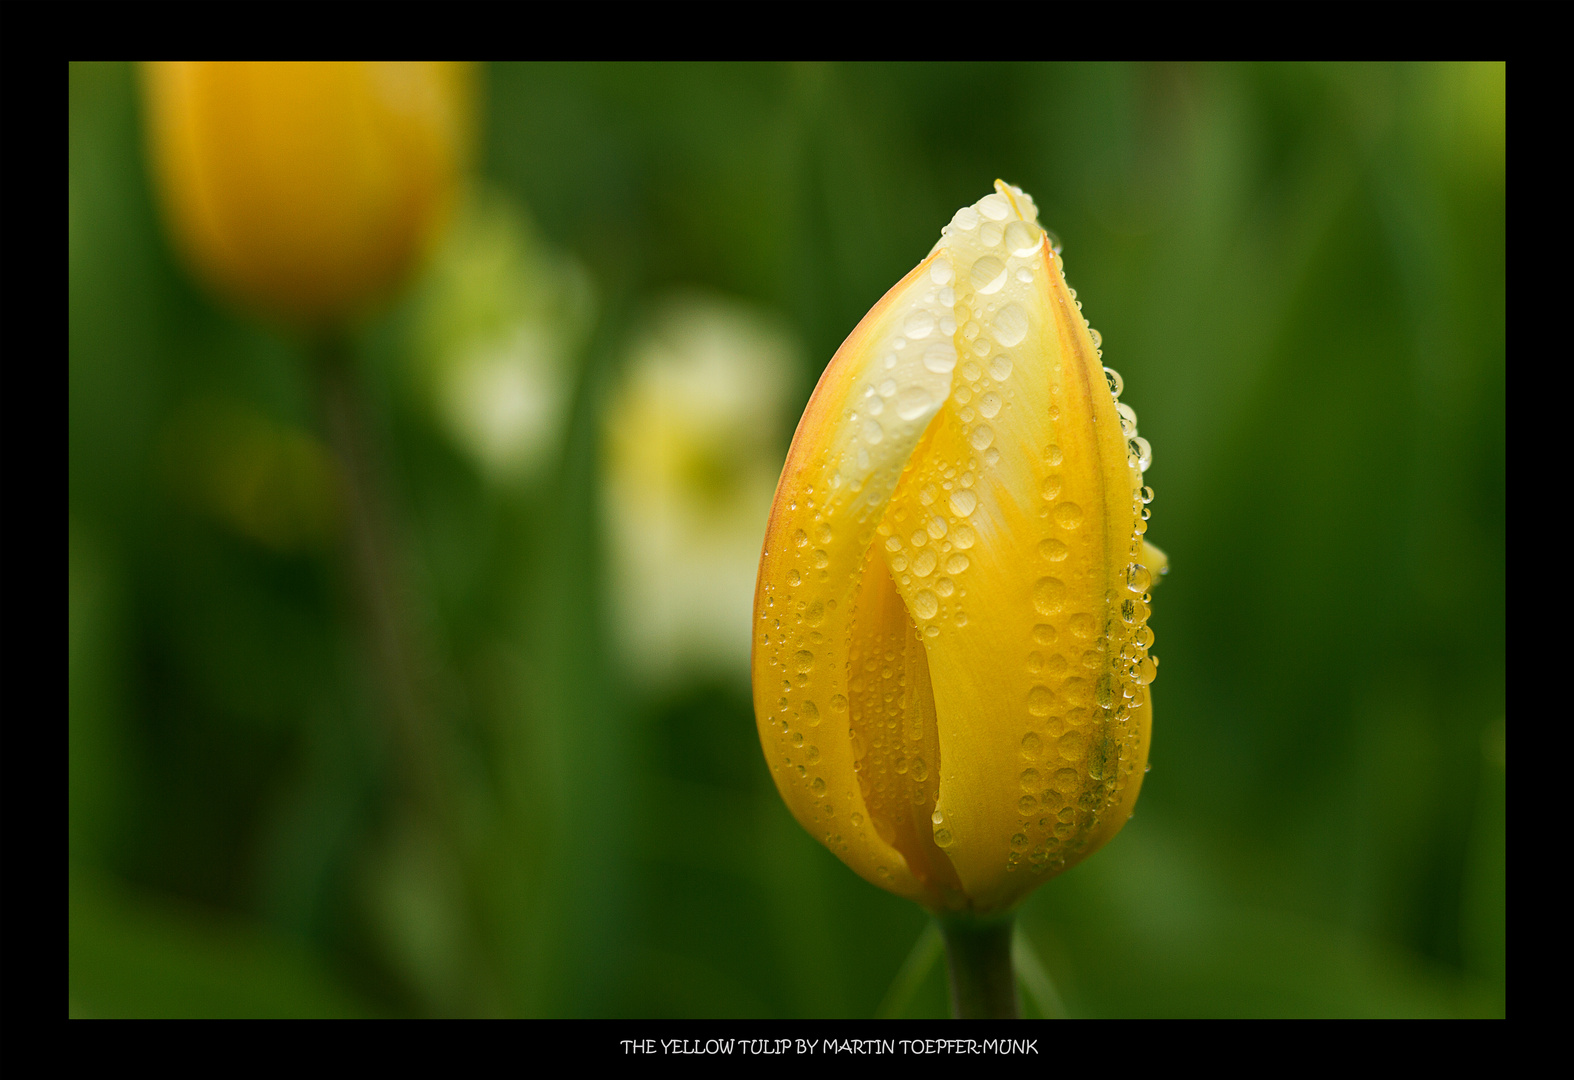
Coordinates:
<point>1081,746</point>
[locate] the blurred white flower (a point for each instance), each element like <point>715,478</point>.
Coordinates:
<point>693,451</point>
<point>498,332</point>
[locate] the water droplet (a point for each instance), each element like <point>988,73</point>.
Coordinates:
<point>963,502</point>
<point>1068,515</point>
<point>1146,670</point>
<point>1044,634</point>
<point>940,272</point>
<point>981,437</point>
<point>956,563</point>
<point>1040,700</point>
<point>1019,840</point>
<point>816,612</point>
<point>1073,746</point>
<point>1065,781</point>
<point>943,837</point>
<point>800,539</point>
<point>971,372</point>
<point>838,703</point>
<point>1137,578</point>
<point>1010,325</point>
<point>945,586</point>
<point>1053,455</point>
<point>873,432</point>
<point>1053,550</point>
<point>1050,488</point>
<point>794,578</point>
<point>924,563</point>
<point>1020,239</point>
<point>920,769</point>
<point>912,402</point>
<point>920,324</point>
<point>1147,495</point>
<point>988,275</point>
<point>936,526</point>
<point>1000,367</point>
<point>1143,451</point>
<point>817,785</point>
<point>925,605</point>
<point>989,405</point>
<point>1082,625</point>
<point>991,233</point>
<point>1116,385</point>
<point>1098,338</point>
<point>803,660</point>
<point>811,714</point>
<point>821,559</point>
<point>940,358</point>
<point>1049,595</point>
<point>995,207</point>
<point>1128,419</point>
<point>963,535</point>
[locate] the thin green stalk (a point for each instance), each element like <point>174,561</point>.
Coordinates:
<point>978,959</point>
<point>374,567</point>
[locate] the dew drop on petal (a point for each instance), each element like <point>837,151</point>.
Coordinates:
<point>1020,240</point>
<point>912,403</point>
<point>981,437</point>
<point>1053,550</point>
<point>1000,367</point>
<point>988,275</point>
<point>920,324</point>
<point>1049,595</point>
<point>940,357</point>
<point>925,604</point>
<point>963,502</point>
<point>1010,325</point>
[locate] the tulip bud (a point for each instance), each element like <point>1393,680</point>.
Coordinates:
<point>951,652</point>
<point>307,190</point>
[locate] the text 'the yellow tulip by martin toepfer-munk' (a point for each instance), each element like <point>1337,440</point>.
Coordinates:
<point>951,646</point>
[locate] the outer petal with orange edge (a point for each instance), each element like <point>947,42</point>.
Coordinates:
<point>951,642</point>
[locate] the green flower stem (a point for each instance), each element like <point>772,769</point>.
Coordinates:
<point>374,566</point>
<point>978,958</point>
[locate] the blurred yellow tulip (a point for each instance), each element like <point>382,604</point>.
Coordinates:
<point>950,657</point>
<point>307,190</point>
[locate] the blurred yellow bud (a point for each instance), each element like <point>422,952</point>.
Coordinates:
<point>307,190</point>
<point>951,660</point>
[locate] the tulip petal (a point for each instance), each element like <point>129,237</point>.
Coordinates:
<point>1009,539</point>
<point>896,746</point>
<point>871,407</point>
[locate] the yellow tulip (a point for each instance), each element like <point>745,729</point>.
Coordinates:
<point>950,658</point>
<point>307,190</point>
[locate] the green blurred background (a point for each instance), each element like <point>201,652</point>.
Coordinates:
<point>1299,271</point>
